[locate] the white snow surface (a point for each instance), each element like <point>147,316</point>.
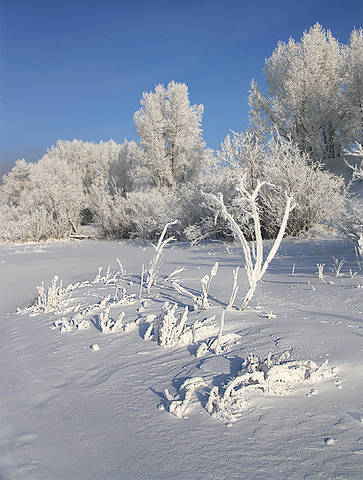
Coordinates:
<point>70,412</point>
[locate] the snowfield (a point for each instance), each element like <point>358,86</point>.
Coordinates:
<point>101,380</point>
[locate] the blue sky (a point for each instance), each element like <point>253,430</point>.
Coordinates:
<point>77,69</point>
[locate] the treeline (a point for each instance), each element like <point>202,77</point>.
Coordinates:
<point>299,134</point>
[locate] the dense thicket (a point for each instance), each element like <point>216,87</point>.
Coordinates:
<point>311,113</point>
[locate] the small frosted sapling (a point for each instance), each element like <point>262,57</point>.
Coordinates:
<point>229,307</point>
<point>153,270</point>
<point>141,281</point>
<point>254,264</point>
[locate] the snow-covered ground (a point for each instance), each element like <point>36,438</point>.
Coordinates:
<point>72,412</point>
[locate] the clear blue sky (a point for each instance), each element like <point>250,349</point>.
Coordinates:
<point>77,69</point>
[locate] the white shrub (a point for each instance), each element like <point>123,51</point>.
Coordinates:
<point>255,265</point>
<point>272,376</point>
<point>108,324</point>
<point>53,297</point>
<point>169,329</point>
<point>179,404</point>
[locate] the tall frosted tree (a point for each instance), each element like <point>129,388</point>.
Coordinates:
<point>171,136</point>
<point>16,183</point>
<point>314,94</point>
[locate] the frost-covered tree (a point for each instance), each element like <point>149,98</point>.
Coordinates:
<point>171,136</point>
<point>15,183</point>
<point>91,160</point>
<point>314,94</point>
<point>57,188</point>
<point>354,86</point>
<point>123,167</point>
<point>319,195</point>
<point>40,201</point>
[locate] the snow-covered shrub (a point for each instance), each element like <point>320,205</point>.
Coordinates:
<point>319,194</point>
<point>124,298</point>
<point>108,324</point>
<point>48,204</point>
<point>179,404</point>
<point>255,264</point>
<point>53,297</point>
<point>357,170</point>
<point>148,211</point>
<point>109,212</point>
<point>109,277</point>
<point>350,224</point>
<point>275,375</point>
<point>169,329</point>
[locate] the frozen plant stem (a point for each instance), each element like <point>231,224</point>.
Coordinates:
<point>220,333</point>
<point>229,307</point>
<point>141,281</point>
<point>293,270</point>
<point>255,266</point>
<point>320,267</point>
<point>155,262</point>
<point>234,289</point>
<point>338,267</point>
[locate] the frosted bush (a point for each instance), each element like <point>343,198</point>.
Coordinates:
<point>179,404</point>
<point>169,329</point>
<point>108,277</point>
<point>124,298</point>
<point>275,375</point>
<point>108,324</point>
<point>147,212</point>
<point>357,170</point>
<point>53,297</point>
<point>255,264</point>
<point>319,195</point>
<point>350,224</point>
